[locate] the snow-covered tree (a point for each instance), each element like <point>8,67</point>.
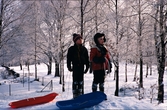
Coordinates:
<point>11,22</point>
<point>160,37</point>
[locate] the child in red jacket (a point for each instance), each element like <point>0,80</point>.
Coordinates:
<point>100,62</point>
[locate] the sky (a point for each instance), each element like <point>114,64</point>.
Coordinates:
<point>127,99</point>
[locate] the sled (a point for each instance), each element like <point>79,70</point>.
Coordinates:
<point>33,101</point>
<point>82,101</point>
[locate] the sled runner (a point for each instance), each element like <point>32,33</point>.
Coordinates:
<point>82,101</point>
<point>33,101</point>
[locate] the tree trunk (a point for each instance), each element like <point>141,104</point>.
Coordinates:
<point>1,16</point>
<point>57,69</point>
<point>96,11</point>
<point>126,79</point>
<point>117,79</point>
<point>117,54</point>
<point>161,58</point>
<point>160,49</point>
<point>82,14</point>
<point>60,81</point>
<point>62,75</point>
<point>27,64</point>
<point>21,68</point>
<point>150,69</point>
<point>141,72</point>
<point>140,48</point>
<point>161,69</point>
<point>50,66</point>
<point>35,48</point>
<point>114,73</point>
<point>134,79</point>
<point>147,67</point>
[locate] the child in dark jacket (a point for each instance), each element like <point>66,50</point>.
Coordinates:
<point>77,57</point>
<point>100,62</point>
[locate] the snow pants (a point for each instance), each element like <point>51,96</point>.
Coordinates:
<point>78,80</point>
<point>98,78</point>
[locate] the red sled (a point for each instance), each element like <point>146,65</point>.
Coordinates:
<point>33,101</point>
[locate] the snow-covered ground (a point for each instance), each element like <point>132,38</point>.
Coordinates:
<point>128,98</point>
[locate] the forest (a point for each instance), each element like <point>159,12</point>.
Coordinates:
<point>40,31</point>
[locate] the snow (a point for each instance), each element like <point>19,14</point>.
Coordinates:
<point>127,99</point>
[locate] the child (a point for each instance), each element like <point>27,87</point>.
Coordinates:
<point>77,57</point>
<point>100,62</point>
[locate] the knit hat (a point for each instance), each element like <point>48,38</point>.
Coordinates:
<point>76,37</point>
<point>98,35</point>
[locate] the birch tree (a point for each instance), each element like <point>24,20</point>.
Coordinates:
<point>60,8</point>
<point>160,44</point>
<point>116,20</point>
<point>139,7</point>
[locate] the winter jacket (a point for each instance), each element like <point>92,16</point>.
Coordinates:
<point>77,55</point>
<point>99,61</point>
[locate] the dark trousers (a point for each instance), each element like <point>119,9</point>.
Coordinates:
<point>98,78</point>
<point>78,80</point>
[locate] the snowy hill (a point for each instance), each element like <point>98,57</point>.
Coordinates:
<point>128,95</point>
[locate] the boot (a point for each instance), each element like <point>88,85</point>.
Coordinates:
<point>75,96</point>
<point>101,87</point>
<point>75,89</point>
<point>79,92</point>
<point>94,87</point>
<point>80,88</point>
<point>75,93</point>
